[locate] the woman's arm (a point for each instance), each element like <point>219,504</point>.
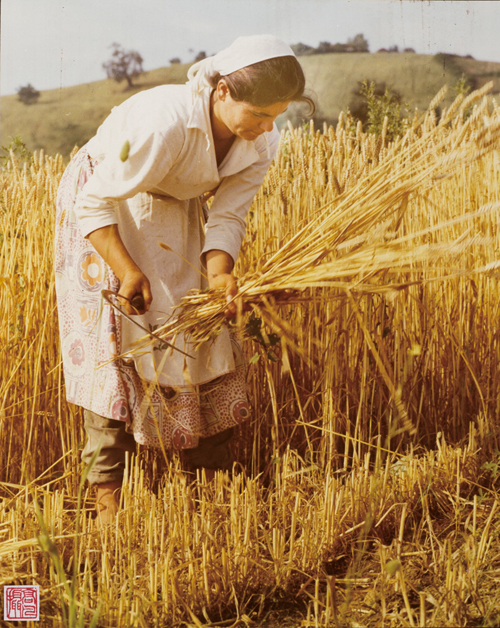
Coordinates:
<point>225,228</point>
<point>108,243</point>
<point>226,223</point>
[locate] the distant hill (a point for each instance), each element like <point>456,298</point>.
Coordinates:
<point>418,78</point>
<point>65,117</point>
<point>68,116</point>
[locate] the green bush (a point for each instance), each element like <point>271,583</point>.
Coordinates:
<point>373,102</point>
<point>28,94</point>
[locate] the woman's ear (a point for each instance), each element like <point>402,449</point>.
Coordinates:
<point>222,90</point>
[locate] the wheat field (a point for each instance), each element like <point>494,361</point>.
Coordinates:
<point>366,488</point>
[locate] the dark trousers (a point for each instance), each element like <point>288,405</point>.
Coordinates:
<point>213,452</point>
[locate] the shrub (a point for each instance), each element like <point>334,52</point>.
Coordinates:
<point>18,148</point>
<point>28,95</point>
<point>372,102</point>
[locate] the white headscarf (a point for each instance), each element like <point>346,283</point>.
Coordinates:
<point>242,52</point>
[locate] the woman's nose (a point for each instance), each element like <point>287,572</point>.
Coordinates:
<point>267,125</point>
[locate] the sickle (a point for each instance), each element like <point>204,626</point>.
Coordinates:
<point>138,303</point>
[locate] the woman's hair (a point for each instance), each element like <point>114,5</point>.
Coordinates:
<point>279,79</point>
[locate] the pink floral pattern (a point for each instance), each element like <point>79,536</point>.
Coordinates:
<point>77,352</point>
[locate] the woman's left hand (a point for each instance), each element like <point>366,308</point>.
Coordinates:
<point>219,267</point>
<point>227,282</point>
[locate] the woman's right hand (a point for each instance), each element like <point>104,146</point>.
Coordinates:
<point>135,284</point>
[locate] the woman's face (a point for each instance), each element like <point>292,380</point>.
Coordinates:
<point>234,117</point>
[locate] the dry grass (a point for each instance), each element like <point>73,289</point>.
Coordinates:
<point>347,465</point>
<point>315,542</point>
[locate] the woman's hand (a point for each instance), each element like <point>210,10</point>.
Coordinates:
<point>219,267</point>
<point>133,282</point>
<point>227,282</point>
<point>136,289</point>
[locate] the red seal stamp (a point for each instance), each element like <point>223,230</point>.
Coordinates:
<point>21,602</point>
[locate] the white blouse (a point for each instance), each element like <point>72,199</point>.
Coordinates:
<point>171,154</point>
<point>153,197</point>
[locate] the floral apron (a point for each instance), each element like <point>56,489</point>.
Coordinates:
<point>91,334</point>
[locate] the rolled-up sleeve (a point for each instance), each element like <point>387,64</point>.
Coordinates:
<point>150,157</point>
<point>225,228</point>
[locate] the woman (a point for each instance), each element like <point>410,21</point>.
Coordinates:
<point>141,181</point>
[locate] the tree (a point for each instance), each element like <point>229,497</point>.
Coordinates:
<point>359,42</point>
<point>341,48</point>
<point>174,61</point>
<point>124,65</point>
<point>324,47</point>
<point>28,94</point>
<point>302,49</point>
<point>200,56</point>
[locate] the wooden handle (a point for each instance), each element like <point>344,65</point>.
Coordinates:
<point>137,302</point>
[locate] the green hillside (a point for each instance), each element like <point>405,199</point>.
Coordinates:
<point>65,117</point>
<point>418,78</point>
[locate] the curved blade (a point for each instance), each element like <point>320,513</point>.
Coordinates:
<point>109,297</point>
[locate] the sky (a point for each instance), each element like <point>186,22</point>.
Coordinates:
<point>58,43</point>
